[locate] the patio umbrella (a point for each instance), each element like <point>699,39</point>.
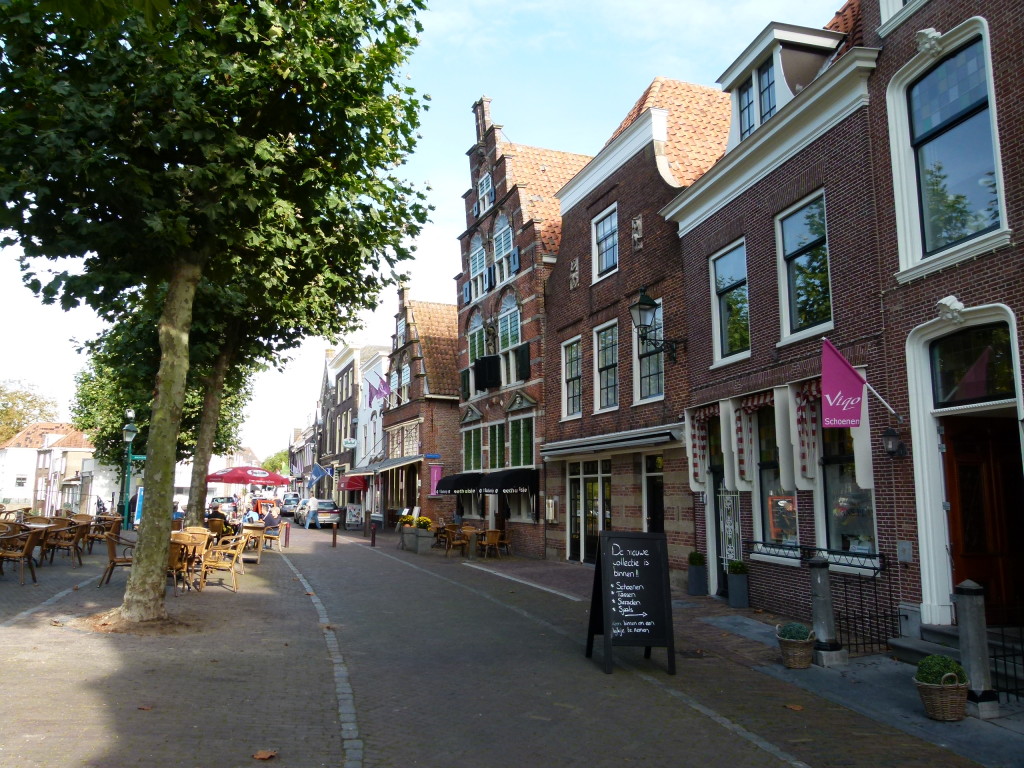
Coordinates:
<point>247,475</point>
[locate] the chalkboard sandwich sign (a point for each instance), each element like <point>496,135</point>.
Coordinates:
<point>631,604</point>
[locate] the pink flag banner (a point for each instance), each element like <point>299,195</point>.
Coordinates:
<point>842,389</point>
<point>373,395</point>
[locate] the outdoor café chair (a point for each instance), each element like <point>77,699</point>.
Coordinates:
<point>71,539</point>
<point>177,563</point>
<point>505,542</point>
<point>116,561</point>
<point>454,539</point>
<point>22,554</point>
<point>56,537</point>
<point>101,526</point>
<point>222,557</point>
<point>489,541</point>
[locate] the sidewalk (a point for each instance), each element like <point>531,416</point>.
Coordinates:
<point>876,686</point>
<point>265,669</point>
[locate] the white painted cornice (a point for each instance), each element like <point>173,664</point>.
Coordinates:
<point>835,95</point>
<point>651,125</point>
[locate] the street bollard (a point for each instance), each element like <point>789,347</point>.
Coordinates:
<point>287,533</point>
<point>334,534</point>
<point>373,535</point>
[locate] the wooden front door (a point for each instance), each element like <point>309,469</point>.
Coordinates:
<point>984,482</point>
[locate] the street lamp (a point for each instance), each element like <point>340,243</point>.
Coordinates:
<point>128,433</point>
<point>645,317</point>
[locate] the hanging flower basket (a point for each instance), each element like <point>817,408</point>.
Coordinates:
<point>946,701</point>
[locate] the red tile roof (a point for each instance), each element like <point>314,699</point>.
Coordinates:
<point>437,328</point>
<point>74,439</point>
<point>540,173</point>
<point>34,435</point>
<point>698,124</point>
<point>849,21</point>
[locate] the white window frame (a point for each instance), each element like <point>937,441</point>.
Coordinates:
<point>910,239</point>
<point>895,12</point>
<point>787,336</point>
<point>716,319</point>
<point>598,408</point>
<point>596,275</point>
<point>566,416</point>
<point>477,267</point>
<point>503,244</point>
<point>658,329</point>
<point>484,185</point>
<point>507,351</point>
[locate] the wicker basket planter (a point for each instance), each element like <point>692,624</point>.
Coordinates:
<point>796,654</point>
<point>946,701</point>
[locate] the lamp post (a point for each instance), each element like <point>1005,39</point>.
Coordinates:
<point>128,433</point>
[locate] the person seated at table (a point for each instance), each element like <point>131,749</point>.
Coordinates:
<point>271,524</point>
<point>216,514</point>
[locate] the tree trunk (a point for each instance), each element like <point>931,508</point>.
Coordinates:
<point>147,583</point>
<point>212,399</point>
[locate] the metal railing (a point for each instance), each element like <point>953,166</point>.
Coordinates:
<point>865,602</point>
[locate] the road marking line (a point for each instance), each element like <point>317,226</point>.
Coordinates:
<point>493,572</point>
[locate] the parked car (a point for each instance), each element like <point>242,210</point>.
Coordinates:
<point>289,501</point>
<point>327,512</point>
<point>226,503</point>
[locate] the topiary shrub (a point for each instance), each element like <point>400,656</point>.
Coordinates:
<point>931,669</point>
<point>696,558</point>
<point>793,630</point>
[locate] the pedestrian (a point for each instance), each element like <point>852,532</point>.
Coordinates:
<point>312,512</point>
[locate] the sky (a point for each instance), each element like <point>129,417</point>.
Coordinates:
<point>561,74</point>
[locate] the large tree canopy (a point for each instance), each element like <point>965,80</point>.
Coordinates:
<point>223,138</point>
<point>21,405</point>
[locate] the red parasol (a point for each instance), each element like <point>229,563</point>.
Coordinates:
<point>254,475</point>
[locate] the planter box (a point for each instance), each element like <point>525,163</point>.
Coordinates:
<point>696,580</point>
<point>739,596</point>
<point>424,540</point>
<point>408,538</point>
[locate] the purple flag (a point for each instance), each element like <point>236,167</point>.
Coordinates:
<point>842,389</point>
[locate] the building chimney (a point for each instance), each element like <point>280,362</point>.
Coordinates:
<point>482,113</point>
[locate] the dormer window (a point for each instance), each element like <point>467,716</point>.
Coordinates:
<point>766,89</point>
<point>779,64</point>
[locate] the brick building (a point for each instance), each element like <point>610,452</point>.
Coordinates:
<point>420,419</point>
<point>508,248</point>
<point>614,452</point>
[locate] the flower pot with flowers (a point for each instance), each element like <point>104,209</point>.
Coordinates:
<point>407,532</point>
<point>796,641</point>
<point>942,685</point>
<point>424,535</point>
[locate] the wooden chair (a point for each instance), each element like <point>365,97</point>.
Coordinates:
<point>82,518</point>
<point>216,526</point>
<point>454,539</point>
<point>270,535</point>
<point>177,563</point>
<point>58,536</point>
<point>22,554</point>
<point>223,557</point>
<point>114,560</point>
<point>71,539</point>
<point>101,526</point>
<point>505,541</point>
<point>488,542</point>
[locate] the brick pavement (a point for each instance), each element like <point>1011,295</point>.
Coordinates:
<point>382,648</point>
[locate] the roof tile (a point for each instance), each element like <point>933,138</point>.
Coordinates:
<point>34,435</point>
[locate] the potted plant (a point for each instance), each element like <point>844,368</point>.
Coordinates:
<point>942,685</point>
<point>739,596</point>
<point>796,641</point>
<point>407,532</point>
<point>424,535</point>
<point>696,574</point>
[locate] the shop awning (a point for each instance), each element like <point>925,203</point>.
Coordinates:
<point>617,441</point>
<point>519,480</point>
<point>398,461</point>
<point>351,482</point>
<point>465,482</point>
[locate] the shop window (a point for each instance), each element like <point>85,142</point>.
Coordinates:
<point>778,504</point>
<point>496,446</point>
<point>472,449</point>
<point>849,509</point>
